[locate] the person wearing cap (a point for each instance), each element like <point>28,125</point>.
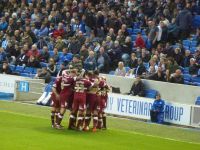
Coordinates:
<point>157,110</point>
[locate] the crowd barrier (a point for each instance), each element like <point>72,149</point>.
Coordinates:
<point>139,107</point>
<point>179,93</point>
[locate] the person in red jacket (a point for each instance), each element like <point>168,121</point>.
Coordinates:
<point>139,42</point>
<point>58,32</point>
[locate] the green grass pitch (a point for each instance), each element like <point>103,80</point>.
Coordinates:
<point>27,127</point>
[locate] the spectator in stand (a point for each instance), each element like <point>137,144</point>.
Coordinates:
<point>44,56</point>
<point>184,22</point>
<point>5,69</point>
<point>43,31</point>
<point>22,59</point>
<point>33,62</point>
<point>172,66</point>
<point>137,88</point>
<point>178,57</point>
<point>103,61</point>
<point>64,57</point>
<point>26,38</point>
<point>140,70</point>
<point>177,77</point>
<point>186,59</point>
<point>158,76</point>
<point>51,68</point>
<point>83,53</point>
<point>59,43</point>
<point>3,24</point>
<point>59,31</point>
<point>74,46</point>
<point>133,62</point>
<point>153,33</point>
<point>120,71</point>
<point>90,62</point>
<point>76,63</point>
<point>3,56</point>
<point>44,74</point>
<point>194,67</point>
<point>139,42</point>
<point>173,31</point>
<point>33,52</point>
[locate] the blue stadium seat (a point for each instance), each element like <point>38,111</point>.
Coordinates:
<point>197,101</point>
<point>186,43</point>
<point>34,70</point>
<point>19,69</point>
<point>28,70</point>
<point>196,21</point>
<point>133,37</point>
<point>24,74</point>
<point>43,64</point>
<point>150,93</point>
<point>143,32</point>
<point>130,30</point>
<point>195,79</point>
<point>193,43</point>
<point>186,47</point>
<point>12,67</point>
<point>144,38</point>
<point>187,77</point>
<point>111,72</point>
<point>69,56</point>
<point>193,49</point>
<point>51,53</point>
<point>186,70</point>
<point>135,31</point>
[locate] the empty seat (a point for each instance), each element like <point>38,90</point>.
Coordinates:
<point>130,30</point>
<point>28,70</point>
<point>187,77</point>
<point>186,43</point>
<point>24,74</point>
<point>135,31</point>
<point>133,37</point>
<point>51,53</point>
<point>127,69</point>
<point>19,69</point>
<point>193,49</point>
<point>150,93</point>
<point>12,67</point>
<point>193,43</point>
<point>195,79</point>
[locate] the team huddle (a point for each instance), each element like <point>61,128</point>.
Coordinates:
<point>85,95</point>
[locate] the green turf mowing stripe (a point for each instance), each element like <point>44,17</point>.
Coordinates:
<point>27,133</point>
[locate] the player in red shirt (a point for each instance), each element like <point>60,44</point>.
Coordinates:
<point>55,97</point>
<point>66,94</point>
<point>79,104</point>
<point>92,102</point>
<point>102,102</point>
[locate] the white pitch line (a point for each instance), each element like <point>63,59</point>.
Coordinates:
<point>130,132</point>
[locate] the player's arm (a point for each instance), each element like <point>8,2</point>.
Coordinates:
<point>55,92</point>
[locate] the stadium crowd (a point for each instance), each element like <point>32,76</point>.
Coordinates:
<point>156,39</point>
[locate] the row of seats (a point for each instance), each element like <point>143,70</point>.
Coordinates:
<point>22,69</point>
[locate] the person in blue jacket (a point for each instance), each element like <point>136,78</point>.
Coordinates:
<point>157,110</point>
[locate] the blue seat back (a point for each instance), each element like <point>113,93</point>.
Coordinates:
<point>150,93</point>
<point>197,101</point>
